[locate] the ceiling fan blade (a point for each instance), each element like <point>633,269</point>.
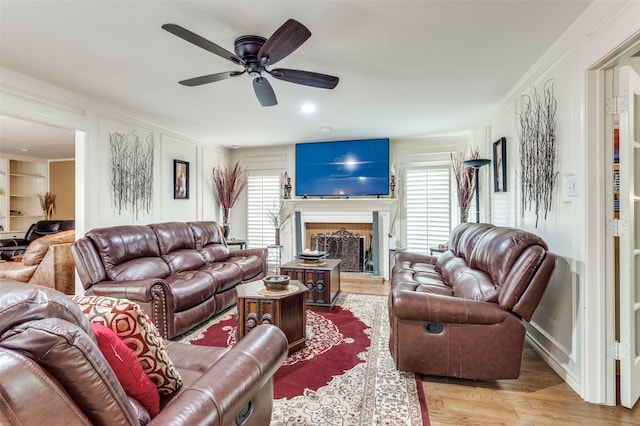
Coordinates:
<point>202,42</point>
<point>197,81</point>
<point>264,92</point>
<point>306,78</point>
<point>284,41</point>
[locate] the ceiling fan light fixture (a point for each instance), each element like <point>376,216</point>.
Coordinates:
<point>256,54</point>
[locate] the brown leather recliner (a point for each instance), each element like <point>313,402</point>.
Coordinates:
<point>180,273</point>
<point>53,372</point>
<point>47,261</point>
<point>460,314</point>
<point>12,247</point>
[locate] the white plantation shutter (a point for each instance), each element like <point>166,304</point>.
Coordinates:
<point>428,201</point>
<point>263,193</point>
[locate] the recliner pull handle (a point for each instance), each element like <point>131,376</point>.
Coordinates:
<point>433,327</point>
<point>244,413</point>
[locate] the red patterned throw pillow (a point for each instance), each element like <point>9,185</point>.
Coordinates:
<point>135,329</point>
<point>125,365</point>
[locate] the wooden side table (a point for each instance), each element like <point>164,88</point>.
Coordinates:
<point>241,244</point>
<point>436,250</point>
<point>285,309</point>
<point>322,281</point>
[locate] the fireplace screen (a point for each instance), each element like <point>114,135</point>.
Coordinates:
<point>344,245</point>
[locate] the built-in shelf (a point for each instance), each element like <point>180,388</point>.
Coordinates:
<point>27,176</point>
<point>24,179</point>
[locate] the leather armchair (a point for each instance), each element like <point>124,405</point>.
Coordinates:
<point>47,261</point>
<point>12,247</point>
<point>53,372</point>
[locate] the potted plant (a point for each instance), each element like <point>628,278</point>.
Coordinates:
<point>48,204</point>
<point>229,182</point>
<point>465,182</point>
<point>279,217</point>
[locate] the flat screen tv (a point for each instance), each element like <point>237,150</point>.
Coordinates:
<point>342,168</point>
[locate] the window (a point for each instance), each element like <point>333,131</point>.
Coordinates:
<point>428,201</point>
<point>263,193</point>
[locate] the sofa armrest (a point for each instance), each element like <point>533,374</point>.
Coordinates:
<point>260,252</point>
<point>134,290</point>
<point>11,243</point>
<point>231,383</point>
<point>402,256</point>
<point>416,306</point>
<point>153,295</point>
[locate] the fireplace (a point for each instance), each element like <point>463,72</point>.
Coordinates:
<point>368,217</point>
<point>353,249</point>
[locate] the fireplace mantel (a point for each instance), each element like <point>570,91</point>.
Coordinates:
<point>343,210</point>
<point>342,204</point>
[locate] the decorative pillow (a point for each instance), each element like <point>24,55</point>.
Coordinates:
<point>125,364</point>
<point>135,329</point>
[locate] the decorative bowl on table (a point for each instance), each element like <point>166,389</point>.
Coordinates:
<point>276,282</point>
<point>312,255</point>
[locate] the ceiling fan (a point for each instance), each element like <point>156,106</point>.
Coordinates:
<point>256,54</point>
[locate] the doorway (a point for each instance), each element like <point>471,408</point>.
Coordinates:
<point>55,143</point>
<point>612,292</point>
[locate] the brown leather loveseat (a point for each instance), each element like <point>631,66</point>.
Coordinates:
<point>180,273</point>
<point>460,314</point>
<point>53,372</point>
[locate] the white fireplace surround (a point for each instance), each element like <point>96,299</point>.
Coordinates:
<point>340,210</point>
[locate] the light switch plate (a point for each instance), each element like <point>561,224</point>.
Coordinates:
<point>572,186</point>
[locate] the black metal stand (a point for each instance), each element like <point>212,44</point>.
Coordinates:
<point>476,164</point>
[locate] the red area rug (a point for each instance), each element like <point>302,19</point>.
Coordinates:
<point>343,376</point>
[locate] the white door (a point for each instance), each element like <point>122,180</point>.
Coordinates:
<point>629,348</point>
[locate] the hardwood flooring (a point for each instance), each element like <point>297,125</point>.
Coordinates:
<point>538,397</point>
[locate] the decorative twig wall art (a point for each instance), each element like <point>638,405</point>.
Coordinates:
<point>131,172</point>
<point>538,150</point>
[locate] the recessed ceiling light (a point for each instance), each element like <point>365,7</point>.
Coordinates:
<point>308,108</point>
<point>325,129</point>
<point>23,149</point>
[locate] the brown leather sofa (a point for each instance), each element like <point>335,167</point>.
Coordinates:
<point>461,314</point>
<point>180,273</point>
<point>53,372</point>
<point>12,247</point>
<point>47,261</point>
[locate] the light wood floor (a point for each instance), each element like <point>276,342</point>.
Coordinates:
<point>538,397</point>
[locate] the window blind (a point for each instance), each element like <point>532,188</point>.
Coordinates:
<point>428,201</point>
<point>263,193</point>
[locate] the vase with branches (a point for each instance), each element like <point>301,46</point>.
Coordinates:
<point>465,182</point>
<point>48,204</point>
<point>280,216</point>
<point>229,182</point>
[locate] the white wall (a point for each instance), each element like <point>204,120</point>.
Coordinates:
<point>34,100</point>
<point>559,329</point>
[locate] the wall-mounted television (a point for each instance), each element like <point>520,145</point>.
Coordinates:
<point>342,168</point>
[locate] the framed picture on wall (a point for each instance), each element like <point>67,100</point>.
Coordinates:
<point>180,180</point>
<point>500,165</point>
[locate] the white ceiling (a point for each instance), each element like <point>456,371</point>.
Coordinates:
<point>407,68</point>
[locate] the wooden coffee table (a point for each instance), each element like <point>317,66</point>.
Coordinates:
<point>285,309</point>
<point>322,280</point>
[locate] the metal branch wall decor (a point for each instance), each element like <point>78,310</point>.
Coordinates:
<point>131,172</point>
<point>538,150</point>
